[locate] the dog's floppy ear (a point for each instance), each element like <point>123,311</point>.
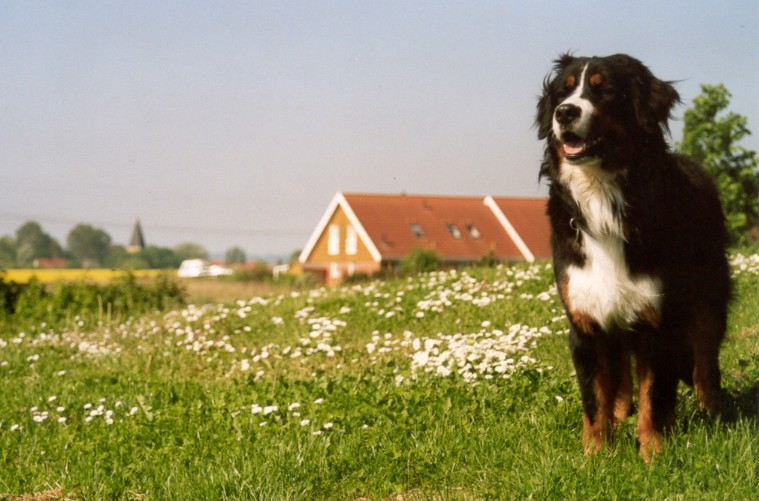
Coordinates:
<point>544,117</point>
<point>653,100</point>
<point>562,62</point>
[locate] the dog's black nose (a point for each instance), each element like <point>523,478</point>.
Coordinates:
<point>567,113</point>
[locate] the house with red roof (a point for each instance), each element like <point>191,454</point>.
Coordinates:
<point>49,262</point>
<point>364,233</point>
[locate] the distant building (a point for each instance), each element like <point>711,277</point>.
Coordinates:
<point>137,242</point>
<point>49,263</point>
<point>361,233</point>
<point>194,268</point>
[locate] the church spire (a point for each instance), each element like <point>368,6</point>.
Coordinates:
<point>137,242</point>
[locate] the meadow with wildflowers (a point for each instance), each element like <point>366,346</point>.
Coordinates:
<point>445,385</point>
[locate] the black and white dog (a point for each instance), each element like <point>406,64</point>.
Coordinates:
<point>638,240</point>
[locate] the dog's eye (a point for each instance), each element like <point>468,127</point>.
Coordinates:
<point>566,85</point>
<point>605,90</point>
<point>565,90</point>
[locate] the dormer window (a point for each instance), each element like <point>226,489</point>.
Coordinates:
<point>417,230</point>
<point>473,231</point>
<point>454,231</point>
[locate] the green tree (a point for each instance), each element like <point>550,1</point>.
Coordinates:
<point>295,256</point>
<point>190,250</point>
<point>152,256</point>
<point>420,260</point>
<point>160,257</point>
<point>235,255</point>
<point>7,252</point>
<point>710,137</point>
<point>32,243</point>
<point>115,257</point>
<point>88,245</point>
<point>133,261</point>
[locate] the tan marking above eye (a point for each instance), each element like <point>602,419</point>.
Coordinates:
<point>595,79</point>
<point>571,81</point>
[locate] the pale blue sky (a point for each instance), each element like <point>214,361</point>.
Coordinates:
<point>234,123</point>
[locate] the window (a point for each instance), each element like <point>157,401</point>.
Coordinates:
<point>417,230</point>
<point>454,231</point>
<point>334,271</point>
<point>351,241</point>
<point>473,231</point>
<point>333,244</point>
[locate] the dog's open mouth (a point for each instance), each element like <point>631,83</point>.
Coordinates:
<point>574,147</point>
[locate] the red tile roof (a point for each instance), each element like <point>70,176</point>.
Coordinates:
<point>528,216</point>
<point>456,228</point>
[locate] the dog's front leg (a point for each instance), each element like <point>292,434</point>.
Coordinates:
<point>599,380</point>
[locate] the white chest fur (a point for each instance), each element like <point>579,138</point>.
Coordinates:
<point>597,195</point>
<point>603,287</point>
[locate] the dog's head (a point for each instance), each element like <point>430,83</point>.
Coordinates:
<point>593,105</point>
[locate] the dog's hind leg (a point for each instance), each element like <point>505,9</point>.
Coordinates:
<point>706,381</point>
<point>657,400</point>
<point>705,338</point>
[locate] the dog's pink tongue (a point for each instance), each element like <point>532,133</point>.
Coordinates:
<point>573,148</point>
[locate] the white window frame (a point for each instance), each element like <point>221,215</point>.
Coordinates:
<point>351,241</point>
<point>333,242</point>
<point>334,271</point>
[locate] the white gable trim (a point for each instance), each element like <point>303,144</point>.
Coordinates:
<point>339,201</point>
<point>491,203</point>
<point>308,249</point>
<point>363,235</point>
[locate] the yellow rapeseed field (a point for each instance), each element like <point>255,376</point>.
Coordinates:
<point>74,275</point>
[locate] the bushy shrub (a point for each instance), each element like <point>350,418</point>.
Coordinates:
<point>89,303</point>
<point>302,281</point>
<point>260,272</point>
<point>420,261</point>
<point>9,294</point>
<point>489,260</point>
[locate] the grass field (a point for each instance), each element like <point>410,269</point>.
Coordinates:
<point>213,290</point>
<point>451,385</point>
